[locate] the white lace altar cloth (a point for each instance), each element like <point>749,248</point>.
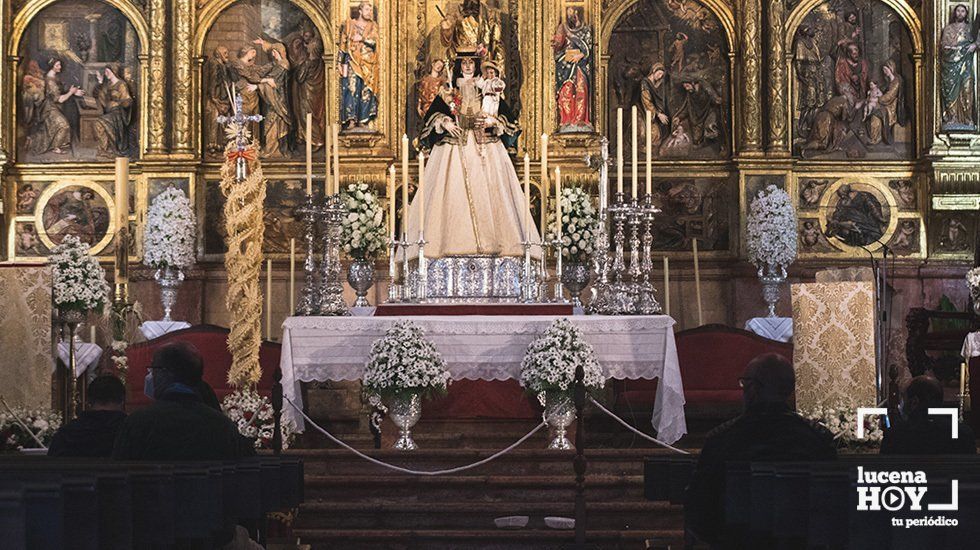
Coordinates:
<point>487,348</point>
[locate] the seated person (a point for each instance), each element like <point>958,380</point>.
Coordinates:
<point>92,434</point>
<point>769,429</point>
<point>178,425</point>
<point>919,433</point>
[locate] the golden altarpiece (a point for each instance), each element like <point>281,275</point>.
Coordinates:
<point>864,110</point>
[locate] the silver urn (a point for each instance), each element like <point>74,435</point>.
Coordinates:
<point>559,413</point>
<point>360,275</point>
<point>169,279</point>
<point>575,277</point>
<point>405,411</point>
<point>772,277</point>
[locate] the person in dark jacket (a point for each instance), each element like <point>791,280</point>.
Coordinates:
<point>178,425</point>
<point>92,434</point>
<point>769,429</point>
<point>919,433</point>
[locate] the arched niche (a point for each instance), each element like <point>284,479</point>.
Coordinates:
<point>95,46</point>
<point>244,47</point>
<point>841,55</point>
<point>692,42</point>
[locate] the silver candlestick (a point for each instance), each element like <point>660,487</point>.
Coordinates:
<point>647,303</point>
<point>559,296</point>
<point>422,279</point>
<point>620,300</point>
<point>394,289</point>
<point>331,288</point>
<point>528,280</point>
<point>407,295</point>
<point>309,302</point>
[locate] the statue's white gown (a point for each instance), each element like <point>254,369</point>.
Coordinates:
<point>473,199</point>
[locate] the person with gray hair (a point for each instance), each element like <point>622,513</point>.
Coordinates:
<point>769,429</point>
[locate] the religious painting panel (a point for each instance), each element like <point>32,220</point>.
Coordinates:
<point>483,29</point>
<point>700,208</point>
<point>573,47</point>
<point>77,85</point>
<point>670,57</point>
<point>854,83</point>
<point>269,54</point>
<point>952,235</point>
<point>359,67</point>
<point>283,196</point>
<point>958,42</point>
<point>80,208</point>
<point>27,243</point>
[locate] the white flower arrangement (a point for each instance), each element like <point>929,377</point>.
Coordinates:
<point>254,416</point>
<point>363,229</point>
<point>841,419</point>
<point>43,423</point>
<point>579,221</point>
<point>550,362</point>
<point>169,236</point>
<point>404,361</point>
<point>78,279</point>
<point>771,232</point>
<point>973,282</point>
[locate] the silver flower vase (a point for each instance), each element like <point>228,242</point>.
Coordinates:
<point>169,279</point>
<point>405,411</point>
<point>772,278</point>
<point>576,276</point>
<point>360,275</point>
<point>559,413</point>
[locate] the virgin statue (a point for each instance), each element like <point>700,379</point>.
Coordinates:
<point>473,200</point>
<point>958,48</point>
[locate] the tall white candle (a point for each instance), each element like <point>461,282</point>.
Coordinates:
<point>405,186</point>
<point>91,337</point>
<point>328,151</point>
<point>336,158</point>
<point>544,164</point>
<point>667,285</point>
<point>634,166</point>
<point>420,193</point>
<point>391,201</point>
<point>649,187</point>
<point>527,197</point>
<point>268,300</point>
<point>697,281</point>
<point>122,193</point>
<point>558,200</point>
<point>292,276</point>
<point>619,150</point>
<point>309,153</point>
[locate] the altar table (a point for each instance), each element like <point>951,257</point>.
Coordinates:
<point>486,348</point>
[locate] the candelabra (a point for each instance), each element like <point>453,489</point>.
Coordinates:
<point>529,282</point>
<point>331,289</point>
<point>620,296</point>
<point>559,289</point>
<point>407,280</point>
<point>309,303</point>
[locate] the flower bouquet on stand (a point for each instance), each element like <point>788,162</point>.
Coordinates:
<point>404,367</point>
<point>548,372</point>
<point>168,243</point>
<point>841,419</point>
<point>771,235</point>
<point>363,235</point>
<point>579,223</point>
<point>254,416</point>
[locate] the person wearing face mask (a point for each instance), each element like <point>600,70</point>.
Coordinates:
<point>178,425</point>
<point>919,433</point>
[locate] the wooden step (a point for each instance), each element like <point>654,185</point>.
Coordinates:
<point>458,515</point>
<point>599,488</point>
<point>523,539</point>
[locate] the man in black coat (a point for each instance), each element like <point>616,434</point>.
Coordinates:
<point>92,434</point>
<point>921,433</point>
<point>178,425</point>
<point>769,429</point>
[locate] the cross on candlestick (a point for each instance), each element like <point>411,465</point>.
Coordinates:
<point>238,124</point>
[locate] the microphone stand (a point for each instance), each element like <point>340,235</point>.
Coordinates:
<point>882,323</point>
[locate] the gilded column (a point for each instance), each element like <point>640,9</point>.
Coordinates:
<point>778,142</point>
<point>751,99</point>
<point>157,79</point>
<point>183,135</point>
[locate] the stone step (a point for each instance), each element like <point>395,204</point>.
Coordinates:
<point>499,488</point>
<point>523,460</point>
<point>523,539</point>
<point>458,515</point>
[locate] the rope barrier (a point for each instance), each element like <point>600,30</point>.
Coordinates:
<point>634,430</point>
<point>373,460</point>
